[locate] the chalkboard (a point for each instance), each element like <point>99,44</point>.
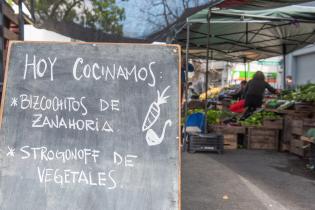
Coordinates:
<point>90,126</point>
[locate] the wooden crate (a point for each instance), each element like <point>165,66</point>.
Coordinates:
<point>229,129</point>
<point>286,134</point>
<point>284,147</point>
<point>262,138</point>
<point>309,123</point>
<point>305,107</point>
<point>308,139</point>
<point>297,127</point>
<point>230,141</point>
<point>300,126</point>
<point>297,147</point>
<point>274,124</point>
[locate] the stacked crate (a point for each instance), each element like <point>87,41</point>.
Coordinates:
<point>262,138</point>
<point>299,128</point>
<point>230,135</point>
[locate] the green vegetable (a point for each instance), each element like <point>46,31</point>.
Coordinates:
<point>213,116</point>
<point>304,93</point>
<point>257,118</point>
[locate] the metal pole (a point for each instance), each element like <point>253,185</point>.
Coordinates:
<point>245,67</point>
<point>186,86</point>
<point>1,44</point>
<point>32,10</point>
<point>284,51</point>
<point>21,20</point>
<point>207,67</point>
<point>246,33</point>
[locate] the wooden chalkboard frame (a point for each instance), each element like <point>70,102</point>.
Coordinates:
<point>4,87</point>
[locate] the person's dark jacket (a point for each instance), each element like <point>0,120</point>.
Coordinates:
<point>239,94</point>
<point>254,92</point>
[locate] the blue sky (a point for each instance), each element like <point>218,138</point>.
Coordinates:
<point>137,24</point>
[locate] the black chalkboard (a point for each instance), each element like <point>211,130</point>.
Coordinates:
<point>90,126</point>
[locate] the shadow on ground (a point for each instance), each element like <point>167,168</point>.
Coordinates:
<point>246,179</point>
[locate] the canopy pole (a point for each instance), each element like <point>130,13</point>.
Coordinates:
<point>21,20</point>
<point>284,52</point>
<point>245,67</point>
<point>207,67</point>
<point>33,10</point>
<point>1,45</point>
<point>185,86</point>
<point>246,33</point>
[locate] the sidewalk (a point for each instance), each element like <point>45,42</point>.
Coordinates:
<point>246,180</point>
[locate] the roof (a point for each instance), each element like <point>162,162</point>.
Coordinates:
<point>257,4</point>
<point>236,35</point>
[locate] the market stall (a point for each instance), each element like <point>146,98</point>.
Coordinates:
<point>243,36</point>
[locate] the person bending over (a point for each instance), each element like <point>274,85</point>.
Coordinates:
<point>254,93</point>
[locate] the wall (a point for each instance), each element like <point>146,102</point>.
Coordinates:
<point>301,65</point>
<point>34,34</point>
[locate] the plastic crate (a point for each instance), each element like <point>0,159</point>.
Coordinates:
<point>206,143</point>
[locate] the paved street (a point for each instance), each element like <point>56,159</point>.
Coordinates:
<point>246,179</point>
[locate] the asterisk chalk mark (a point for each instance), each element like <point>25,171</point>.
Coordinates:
<point>11,152</point>
<point>14,102</point>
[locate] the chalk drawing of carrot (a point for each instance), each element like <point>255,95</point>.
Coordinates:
<point>153,139</point>
<point>152,116</point>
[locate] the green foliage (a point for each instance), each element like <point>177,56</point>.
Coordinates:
<point>10,2</point>
<point>104,15</point>
<point>213,116</point>
<point>257,118</point>
<point>304,93</point>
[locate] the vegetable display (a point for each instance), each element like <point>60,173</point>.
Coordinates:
<point>257,118</point>
<point>304,93</point>
<point>211,93</point>
<point>213,116</point>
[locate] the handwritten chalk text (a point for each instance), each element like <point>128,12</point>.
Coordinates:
<point>67,176</point>
<point>45,154</point>
<point>40,121</point>
<point>97,71</point>
<point>39,66</point>
<point>70,104</point>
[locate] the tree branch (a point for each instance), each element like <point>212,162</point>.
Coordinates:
<point>68,10</point>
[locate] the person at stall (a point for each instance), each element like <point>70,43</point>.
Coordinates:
<point>254,93</point>
<point>183,74</point>
<point>239,94</point>
<point>289,82</point>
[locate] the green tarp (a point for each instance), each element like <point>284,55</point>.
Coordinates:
<point>238,35</point>
<point>257,4</point>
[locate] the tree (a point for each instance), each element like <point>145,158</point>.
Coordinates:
<point>162,13</point>
<point>103,15</point>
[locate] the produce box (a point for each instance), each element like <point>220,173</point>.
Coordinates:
<point>284,147</point>
<point>308,139</point>
<point>299,147</point>
<point>205,143</point>
<point>300,126</point>
<point>275,124</point>
<point>223,129</point>
<point>230,141</point>
<point>297,127</point>
<point>309,123</point>
<point>286,134</point>
<point>305,106</point>
<point>263,138</point>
